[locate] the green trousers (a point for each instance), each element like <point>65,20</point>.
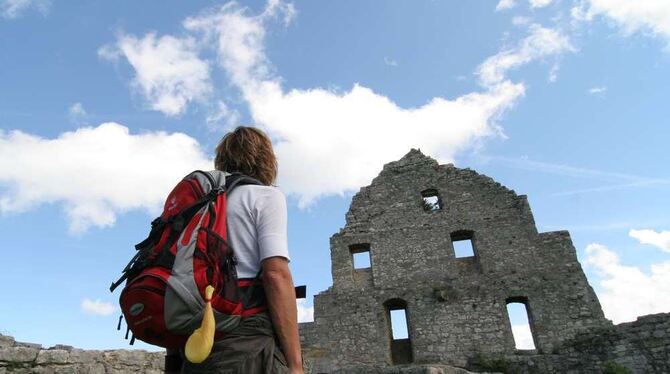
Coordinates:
<point>251,348</point>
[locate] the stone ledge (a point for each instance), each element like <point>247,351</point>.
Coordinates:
<point>18,358</point>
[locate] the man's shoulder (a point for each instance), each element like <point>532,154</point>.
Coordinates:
<point>257,193</point>
<point>260,189</point>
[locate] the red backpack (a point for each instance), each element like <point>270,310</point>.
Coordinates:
<point>187,249</point>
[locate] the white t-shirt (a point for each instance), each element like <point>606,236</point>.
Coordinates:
<point>257,226</point>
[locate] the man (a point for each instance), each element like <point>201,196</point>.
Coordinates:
<point>257,221</point>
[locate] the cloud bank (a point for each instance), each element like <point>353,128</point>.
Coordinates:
<point>539,3</point>
<point>95,172</point>
<point>168,71</point>
<point>97,307</point>
<point>627,292</point>
<point>645,16</point>
<point>11,9</point>
<point>505,4</point>
<point>541,43</point>
<point>318,131</point>
<point>327,142</point>
<point>659,239</point>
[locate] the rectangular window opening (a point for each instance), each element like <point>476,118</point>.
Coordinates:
<point>431,200</point>
<point>362,260</point>
<point>462,242</point>
<point>400,342</point>
<point>521,329</point>
<point>463,248</point>
<point>399,324</point>
<point>361,256</point>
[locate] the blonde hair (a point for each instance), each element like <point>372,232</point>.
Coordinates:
<point>247,150</point>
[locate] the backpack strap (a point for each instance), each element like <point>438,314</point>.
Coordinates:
<point>233,180</point>
<point>238,179</point>
<point>251,289</point>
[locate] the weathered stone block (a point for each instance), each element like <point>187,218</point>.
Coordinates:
<point>18,354</point>
<point>52,356</point>
<point>6,341</point>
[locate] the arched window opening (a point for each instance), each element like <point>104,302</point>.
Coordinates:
<point>401,344</point>
<point>521,323</point>
<point>462,242</point>
<point>431,200</point>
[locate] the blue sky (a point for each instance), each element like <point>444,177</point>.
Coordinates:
<point>103,107</point>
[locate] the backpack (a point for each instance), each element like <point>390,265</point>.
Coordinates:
<point>187,249</point>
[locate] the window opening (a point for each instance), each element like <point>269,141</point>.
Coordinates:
<point>361,256</point>
<point>431,200</point>
<point>520,322</point>
<point>399,324</point>
<point>462,242</point>
<point>401,345</point>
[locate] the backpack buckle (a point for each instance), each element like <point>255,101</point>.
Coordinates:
<point>178,223</point>
<point>158,220</point>
<point>217,190</point>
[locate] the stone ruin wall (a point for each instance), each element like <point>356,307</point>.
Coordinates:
<point>456,307</point>
<point>642,346</point>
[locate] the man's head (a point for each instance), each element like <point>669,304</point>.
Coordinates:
<point>249,151</point>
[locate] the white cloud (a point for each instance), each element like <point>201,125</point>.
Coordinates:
<point>541,43</point>
<point>222,118</point>
<point>539,3</point>
<point>238,39</point>
<point>649,16</point>
<point>95,172</point>
<point>660,239</point>
<point>11,9</point>
<point>305,312</point>
<point>521,21</point>
<point>390,62</point>
<point>77,113</point>
<point>505,4</point>
<point>627,292</point>
<point>168,71</point>
<point>97,307</point>
<point>355,131</point>
<point>597,90</point>
<point>523,338</point>
<point>318,130</point>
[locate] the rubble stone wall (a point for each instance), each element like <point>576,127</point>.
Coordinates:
<point>642,346</point>
<point>19,358</point>
<point>455,306</point>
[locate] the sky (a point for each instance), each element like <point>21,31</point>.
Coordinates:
<point>105,106</point>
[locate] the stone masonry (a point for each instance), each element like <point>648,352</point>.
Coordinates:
<point>456,308</point>
<point>19,358</point>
